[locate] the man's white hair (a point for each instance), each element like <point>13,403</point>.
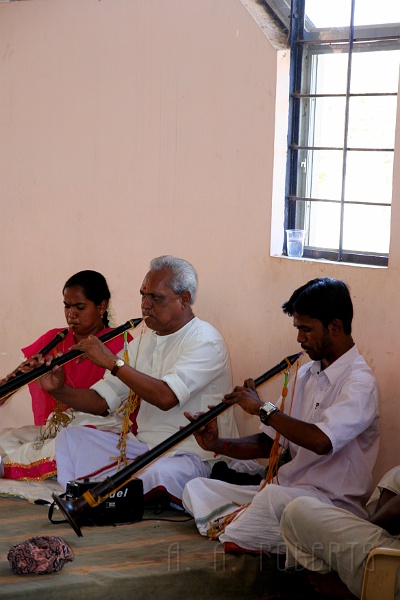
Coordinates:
<point>184,275</point>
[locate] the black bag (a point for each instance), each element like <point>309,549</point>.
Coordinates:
<point>124,506</point>
<point>222,472</point>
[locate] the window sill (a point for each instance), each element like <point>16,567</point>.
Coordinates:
<point>327,262</point>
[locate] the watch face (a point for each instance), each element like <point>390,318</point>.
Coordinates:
<point>117,365</point>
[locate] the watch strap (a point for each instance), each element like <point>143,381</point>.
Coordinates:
<point>117,365</point>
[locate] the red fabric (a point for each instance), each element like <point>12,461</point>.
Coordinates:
<point>42,469</point>
<point>80,376</point>
<point>232,548</point>
<point>132,417</point>
<point>161,494</point>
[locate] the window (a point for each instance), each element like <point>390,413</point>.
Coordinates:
<point>345,57</point>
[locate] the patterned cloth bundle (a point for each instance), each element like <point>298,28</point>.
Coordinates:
<point>40,555</point>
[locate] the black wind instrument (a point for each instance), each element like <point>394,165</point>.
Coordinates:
<point>53,343</point>
<point>47,348</point>
<point>73,509</point>
<point>22,379</point>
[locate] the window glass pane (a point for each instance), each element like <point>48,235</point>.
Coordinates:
<point>327,120</point>
<point>322,66</point>
<point>322,13</point>
<point>328,14</point>
<point>369,177</point>
<point>375,72</point>
<point>373,12</point>
<point>319,214</point>
<point>372,121</point>
<point>324,174</point>
<point>366,228</point>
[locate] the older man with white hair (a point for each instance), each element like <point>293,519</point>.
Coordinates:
<point>182,364</point>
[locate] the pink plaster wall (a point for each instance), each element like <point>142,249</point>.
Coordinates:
<point>132,129</point>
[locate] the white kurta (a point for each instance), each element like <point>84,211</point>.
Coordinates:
<point>194,362</point>
<point>343,402</point>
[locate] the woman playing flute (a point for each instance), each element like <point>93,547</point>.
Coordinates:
<point>28,452</point>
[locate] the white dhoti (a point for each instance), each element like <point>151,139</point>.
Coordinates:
<point>86,452</point>
<point>210,499</point>
<point>27,456</point>
<point>256,529</point>
<point>325,538</point>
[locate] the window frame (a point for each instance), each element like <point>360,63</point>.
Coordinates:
<point>349,40</point>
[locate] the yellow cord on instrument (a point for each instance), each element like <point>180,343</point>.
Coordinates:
<point>276,450</point>
<point>217,527</point>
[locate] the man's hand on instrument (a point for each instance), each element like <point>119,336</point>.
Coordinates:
<point>54,380</point>
<point>207,435</point>
<point>95,351</point>
<point>246,396</point>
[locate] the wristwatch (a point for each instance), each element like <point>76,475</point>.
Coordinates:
<point>266,411</point>
<point>117,365</point>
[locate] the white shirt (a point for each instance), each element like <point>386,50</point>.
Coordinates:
<point>343,402</point>
<point>194,363</point>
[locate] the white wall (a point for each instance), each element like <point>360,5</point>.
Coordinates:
<point>137,128</point>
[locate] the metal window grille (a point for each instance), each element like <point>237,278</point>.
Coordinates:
<point>342,116</point>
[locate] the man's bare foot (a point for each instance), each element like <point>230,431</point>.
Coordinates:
<point>329,585</point>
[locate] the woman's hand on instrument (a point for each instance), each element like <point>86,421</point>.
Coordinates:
<point>207,435</point>
<point>4,381</point>
<point>27,365</point>
<point>7,378</point>
<point>95,351</point>
<point>246,396</point>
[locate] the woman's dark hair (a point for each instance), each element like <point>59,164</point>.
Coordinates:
<point>324,299</point>
<point>94,286</point>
